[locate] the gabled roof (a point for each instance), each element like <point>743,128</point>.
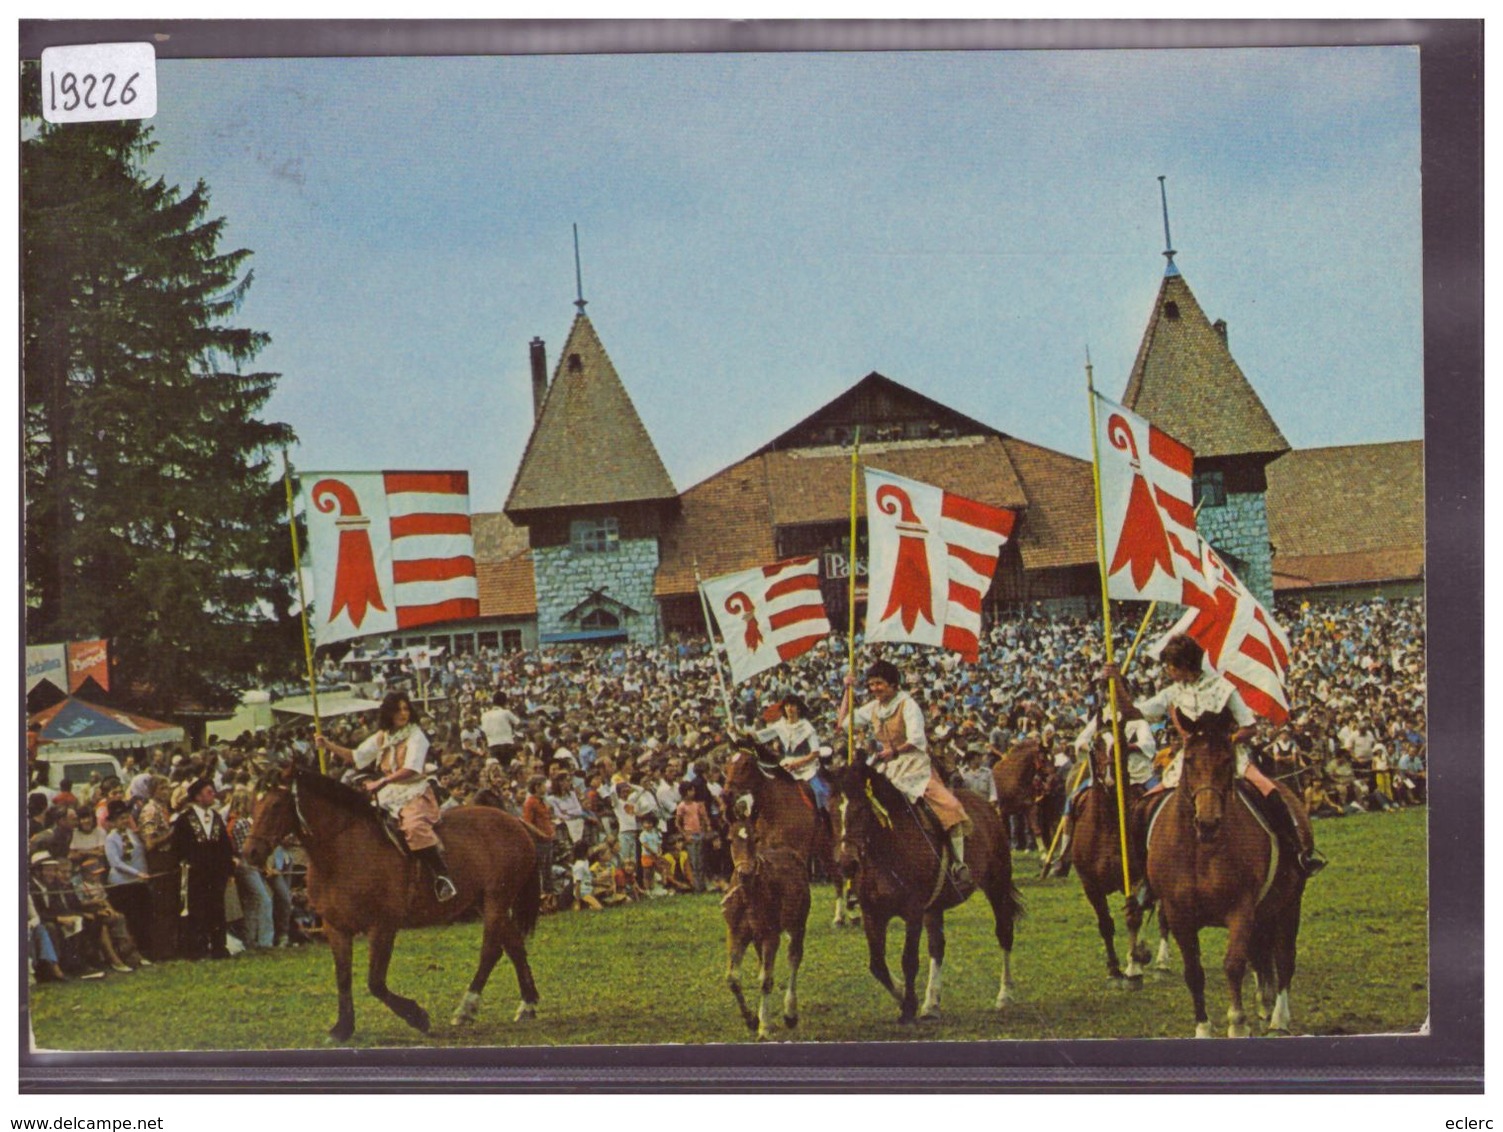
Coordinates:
<point>1186,382</point>
<point>1060,526</point>
<point>588,445</point>
<point>876,398</point>
<point>1349,513</point>
<point>728,520</point>
<point>813,485</point>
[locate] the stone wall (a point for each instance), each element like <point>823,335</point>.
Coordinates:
<point>565,577</point>
<point>1241,528</point>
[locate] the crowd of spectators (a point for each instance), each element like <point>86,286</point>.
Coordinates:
<point>613,752</point>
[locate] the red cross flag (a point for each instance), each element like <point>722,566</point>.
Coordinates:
<point>1146,509</point>
<point>932,557</point>
<point>768,614</point>
<point>388,550</point>
<point>1242,643</point>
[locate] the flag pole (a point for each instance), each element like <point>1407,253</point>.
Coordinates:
<point>850,606</point>
<point>704,605</point>
<point>1106,618</point>
<point>297,569</point>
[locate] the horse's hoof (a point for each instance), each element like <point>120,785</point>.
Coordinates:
<point>1278,1033</point>
<point>341,1031</point>
<point>420,1021</point>
<point>907,1020</point>
<point>1238,1032</point>
<point>790,1020</point>
<point>1133,982</point>
<point>526,1012</point>
<point>1203,1030</point>
<point>929,1016</point>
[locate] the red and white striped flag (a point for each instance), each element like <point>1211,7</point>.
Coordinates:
<point>1242,642</point>
<point>768,614</point>
<point>389,551</point>
<point>1147,512</point>
<point>932,556</point>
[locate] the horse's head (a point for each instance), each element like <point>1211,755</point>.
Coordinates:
<point>1208,769</point>
<point>742,855</point>
<point>274,817</point>
<point>855,819</point>
<point>744,769</point>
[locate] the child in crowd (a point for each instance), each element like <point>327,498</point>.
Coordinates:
<point>584,880</point>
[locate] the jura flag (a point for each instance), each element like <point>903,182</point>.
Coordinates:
<point>932,557</point>
<point>389,550</point>
<point>1146,511</point>
<point>1241,641</point>
<point>768,614</point>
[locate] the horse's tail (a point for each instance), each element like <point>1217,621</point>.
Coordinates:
<point>528,904</point>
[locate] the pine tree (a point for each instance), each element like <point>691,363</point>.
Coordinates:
<point>154,518</point>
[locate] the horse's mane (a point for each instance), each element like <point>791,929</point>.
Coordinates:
<point>351,799</point>
<point>888,795</point>
<point>767,759</point>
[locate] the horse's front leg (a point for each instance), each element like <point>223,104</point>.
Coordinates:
<point>795,957</point>
<point>1105,927</point>
<point>381,941</point>
<point>1188,939</point>
<point>934,931</point>
<point>736,940</point>
<point>876,953</point>
<point>341,946</point>
<point>767,955</point>
<point>1239,929</point>
<point>912,929</point>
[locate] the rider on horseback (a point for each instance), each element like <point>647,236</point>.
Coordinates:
<point>1194,692</point>
<point>1138,748</point>
<point>800,747</point>
<point>897,726</point>
<point>398,749</point>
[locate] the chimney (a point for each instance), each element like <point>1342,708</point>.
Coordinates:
<point>1219,326</point>
<point>539,377</point>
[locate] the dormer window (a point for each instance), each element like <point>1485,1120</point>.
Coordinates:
<point>595,536</point>
<point>1171,310</point>
<point>575,365</point>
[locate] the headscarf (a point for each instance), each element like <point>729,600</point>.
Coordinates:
<point>141,787</point>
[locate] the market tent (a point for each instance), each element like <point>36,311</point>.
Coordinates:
<point>76,725</point>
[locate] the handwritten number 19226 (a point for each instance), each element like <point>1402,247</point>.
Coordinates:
<point>81,90</point>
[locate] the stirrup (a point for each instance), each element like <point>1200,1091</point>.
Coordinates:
<point>443,888</point>
<point>960,877</point>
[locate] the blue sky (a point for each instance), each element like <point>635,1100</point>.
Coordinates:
<point>761,231</point>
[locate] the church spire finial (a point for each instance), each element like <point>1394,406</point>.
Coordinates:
<point>1168,243</point>
<point>578,278</point>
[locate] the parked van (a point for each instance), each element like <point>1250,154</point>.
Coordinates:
<point>76,766</point>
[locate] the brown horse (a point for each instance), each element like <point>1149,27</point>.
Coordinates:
<point>1018,775</point>
<point>896,857</point>
<point>770,897</point>
<point>358,881</point>
<point>783,812</point>
<point>1213,863</point>
<point>1096,853</point>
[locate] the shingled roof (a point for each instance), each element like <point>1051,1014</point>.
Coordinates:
<point>588,446</point>
<point>1186,382</point>
<point>507,588</point>
<point>728,520</point>
<point>1059,528</point>
<point>1348,514</point>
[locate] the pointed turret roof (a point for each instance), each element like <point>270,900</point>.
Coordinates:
<point>1186,382</point>
<point>588,445</point>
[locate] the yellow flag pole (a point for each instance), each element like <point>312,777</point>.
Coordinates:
<point>1106,618</point>
<point>297,569</point>
<point>850,604</point>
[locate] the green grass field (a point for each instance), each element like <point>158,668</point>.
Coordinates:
<point>652,973</point>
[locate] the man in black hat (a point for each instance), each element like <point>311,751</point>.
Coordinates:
<point>203,844</point>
